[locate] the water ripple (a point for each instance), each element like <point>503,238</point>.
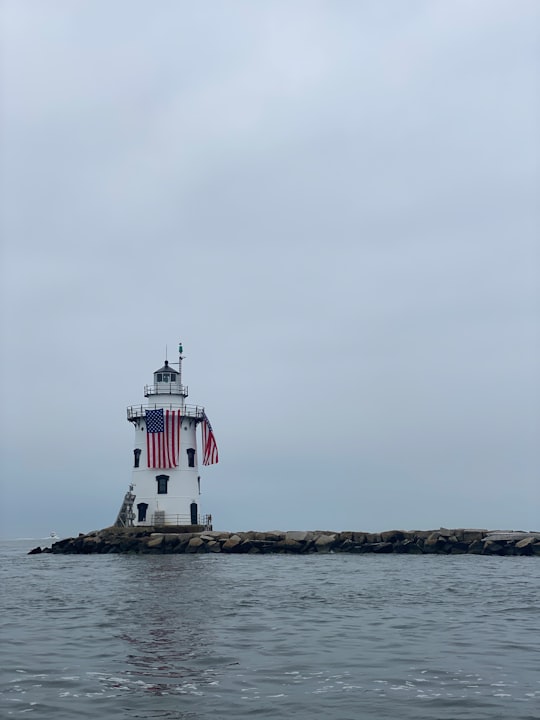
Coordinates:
<point>200,637</point>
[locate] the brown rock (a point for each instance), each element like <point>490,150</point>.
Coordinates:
<point>155,541</point>
<point>525,546</point>
<point>383,547</point>
<point>194,545</point>
<point>324,543</point>
<point>392,536</point>
<point>366,547</point>
<point>471,535</point>
<point>409,547</point>
<point>231,543</point>
<point>214,535</point>
<point>476,547</point>
<point>298,536</point>
<point>445,533</point>
<point>492,548</point>
<point>422,534</point>
<point>273,535</point>
<point>433,543</point>
<point>359,537</point>
<point>372,537</point>
<point>526,542</point>
<point>459,548</point>
<point>289,545</point>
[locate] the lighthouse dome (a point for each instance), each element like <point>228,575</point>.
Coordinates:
<point>166,374</point>
<point>167,381</point>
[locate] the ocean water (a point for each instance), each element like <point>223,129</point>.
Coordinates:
<point>203,637</point>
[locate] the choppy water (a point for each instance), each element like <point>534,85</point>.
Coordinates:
<point>203,637</point>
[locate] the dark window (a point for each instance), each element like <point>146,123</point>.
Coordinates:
<point>159,377</point>
<point>193,512</point>
<point>162,481</point>
<point>142,508</point>
<point>191,457</point>
<point>199,484</point>
<point>137,457</point>
<point>173,377</point>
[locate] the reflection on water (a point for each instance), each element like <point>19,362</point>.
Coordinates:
<point>168,638</point>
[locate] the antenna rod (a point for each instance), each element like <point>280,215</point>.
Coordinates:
<point>180,351</point>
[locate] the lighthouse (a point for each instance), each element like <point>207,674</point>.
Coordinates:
<point>166,485</point>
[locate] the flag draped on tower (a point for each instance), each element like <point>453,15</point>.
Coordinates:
<point>163,438</point>
<point>209,446</point>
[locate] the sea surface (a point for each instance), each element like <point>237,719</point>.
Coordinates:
<point>205,637</point>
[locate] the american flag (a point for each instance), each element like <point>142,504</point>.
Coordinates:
<point>163,438</point>
<point>210,451</point>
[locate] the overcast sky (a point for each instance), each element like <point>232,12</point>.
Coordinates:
<point>333,204</point>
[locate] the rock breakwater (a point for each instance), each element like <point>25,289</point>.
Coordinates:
<point>155,540</point>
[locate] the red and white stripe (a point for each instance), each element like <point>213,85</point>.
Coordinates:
<point>210,451</point>
<point>163,448</point>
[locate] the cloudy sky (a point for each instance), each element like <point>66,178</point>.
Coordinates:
<point>332,203</point>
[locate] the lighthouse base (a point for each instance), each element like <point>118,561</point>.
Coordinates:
<point>404,542</point>
<point>159,518</point>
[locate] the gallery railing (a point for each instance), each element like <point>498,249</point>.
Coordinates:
<point>135,412</point>
<point>159,519</point>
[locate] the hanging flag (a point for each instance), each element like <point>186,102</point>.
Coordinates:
<point>163,438</point>
<point>210,451</point>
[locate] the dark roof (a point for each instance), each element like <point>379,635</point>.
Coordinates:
<point>166,368</point>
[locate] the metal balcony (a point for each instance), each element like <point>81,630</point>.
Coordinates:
<point>166,389</point>
<point>136,412</point>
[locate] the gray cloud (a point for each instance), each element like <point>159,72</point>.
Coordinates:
<point>334,206</point>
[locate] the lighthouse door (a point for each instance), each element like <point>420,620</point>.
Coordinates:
<point>193,508</point>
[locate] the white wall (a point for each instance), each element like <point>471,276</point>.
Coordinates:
<point>183,487</point>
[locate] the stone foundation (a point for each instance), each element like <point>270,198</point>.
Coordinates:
<point>151,540</point>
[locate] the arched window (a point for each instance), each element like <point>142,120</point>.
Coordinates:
<point>137,457</point>
<point>142,508</point>
<point>162,481</point>
<point>191,457</point>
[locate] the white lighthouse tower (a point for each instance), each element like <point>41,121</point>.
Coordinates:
<point>165,487</point>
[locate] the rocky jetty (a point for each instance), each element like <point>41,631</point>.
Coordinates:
<point>194,539</point>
